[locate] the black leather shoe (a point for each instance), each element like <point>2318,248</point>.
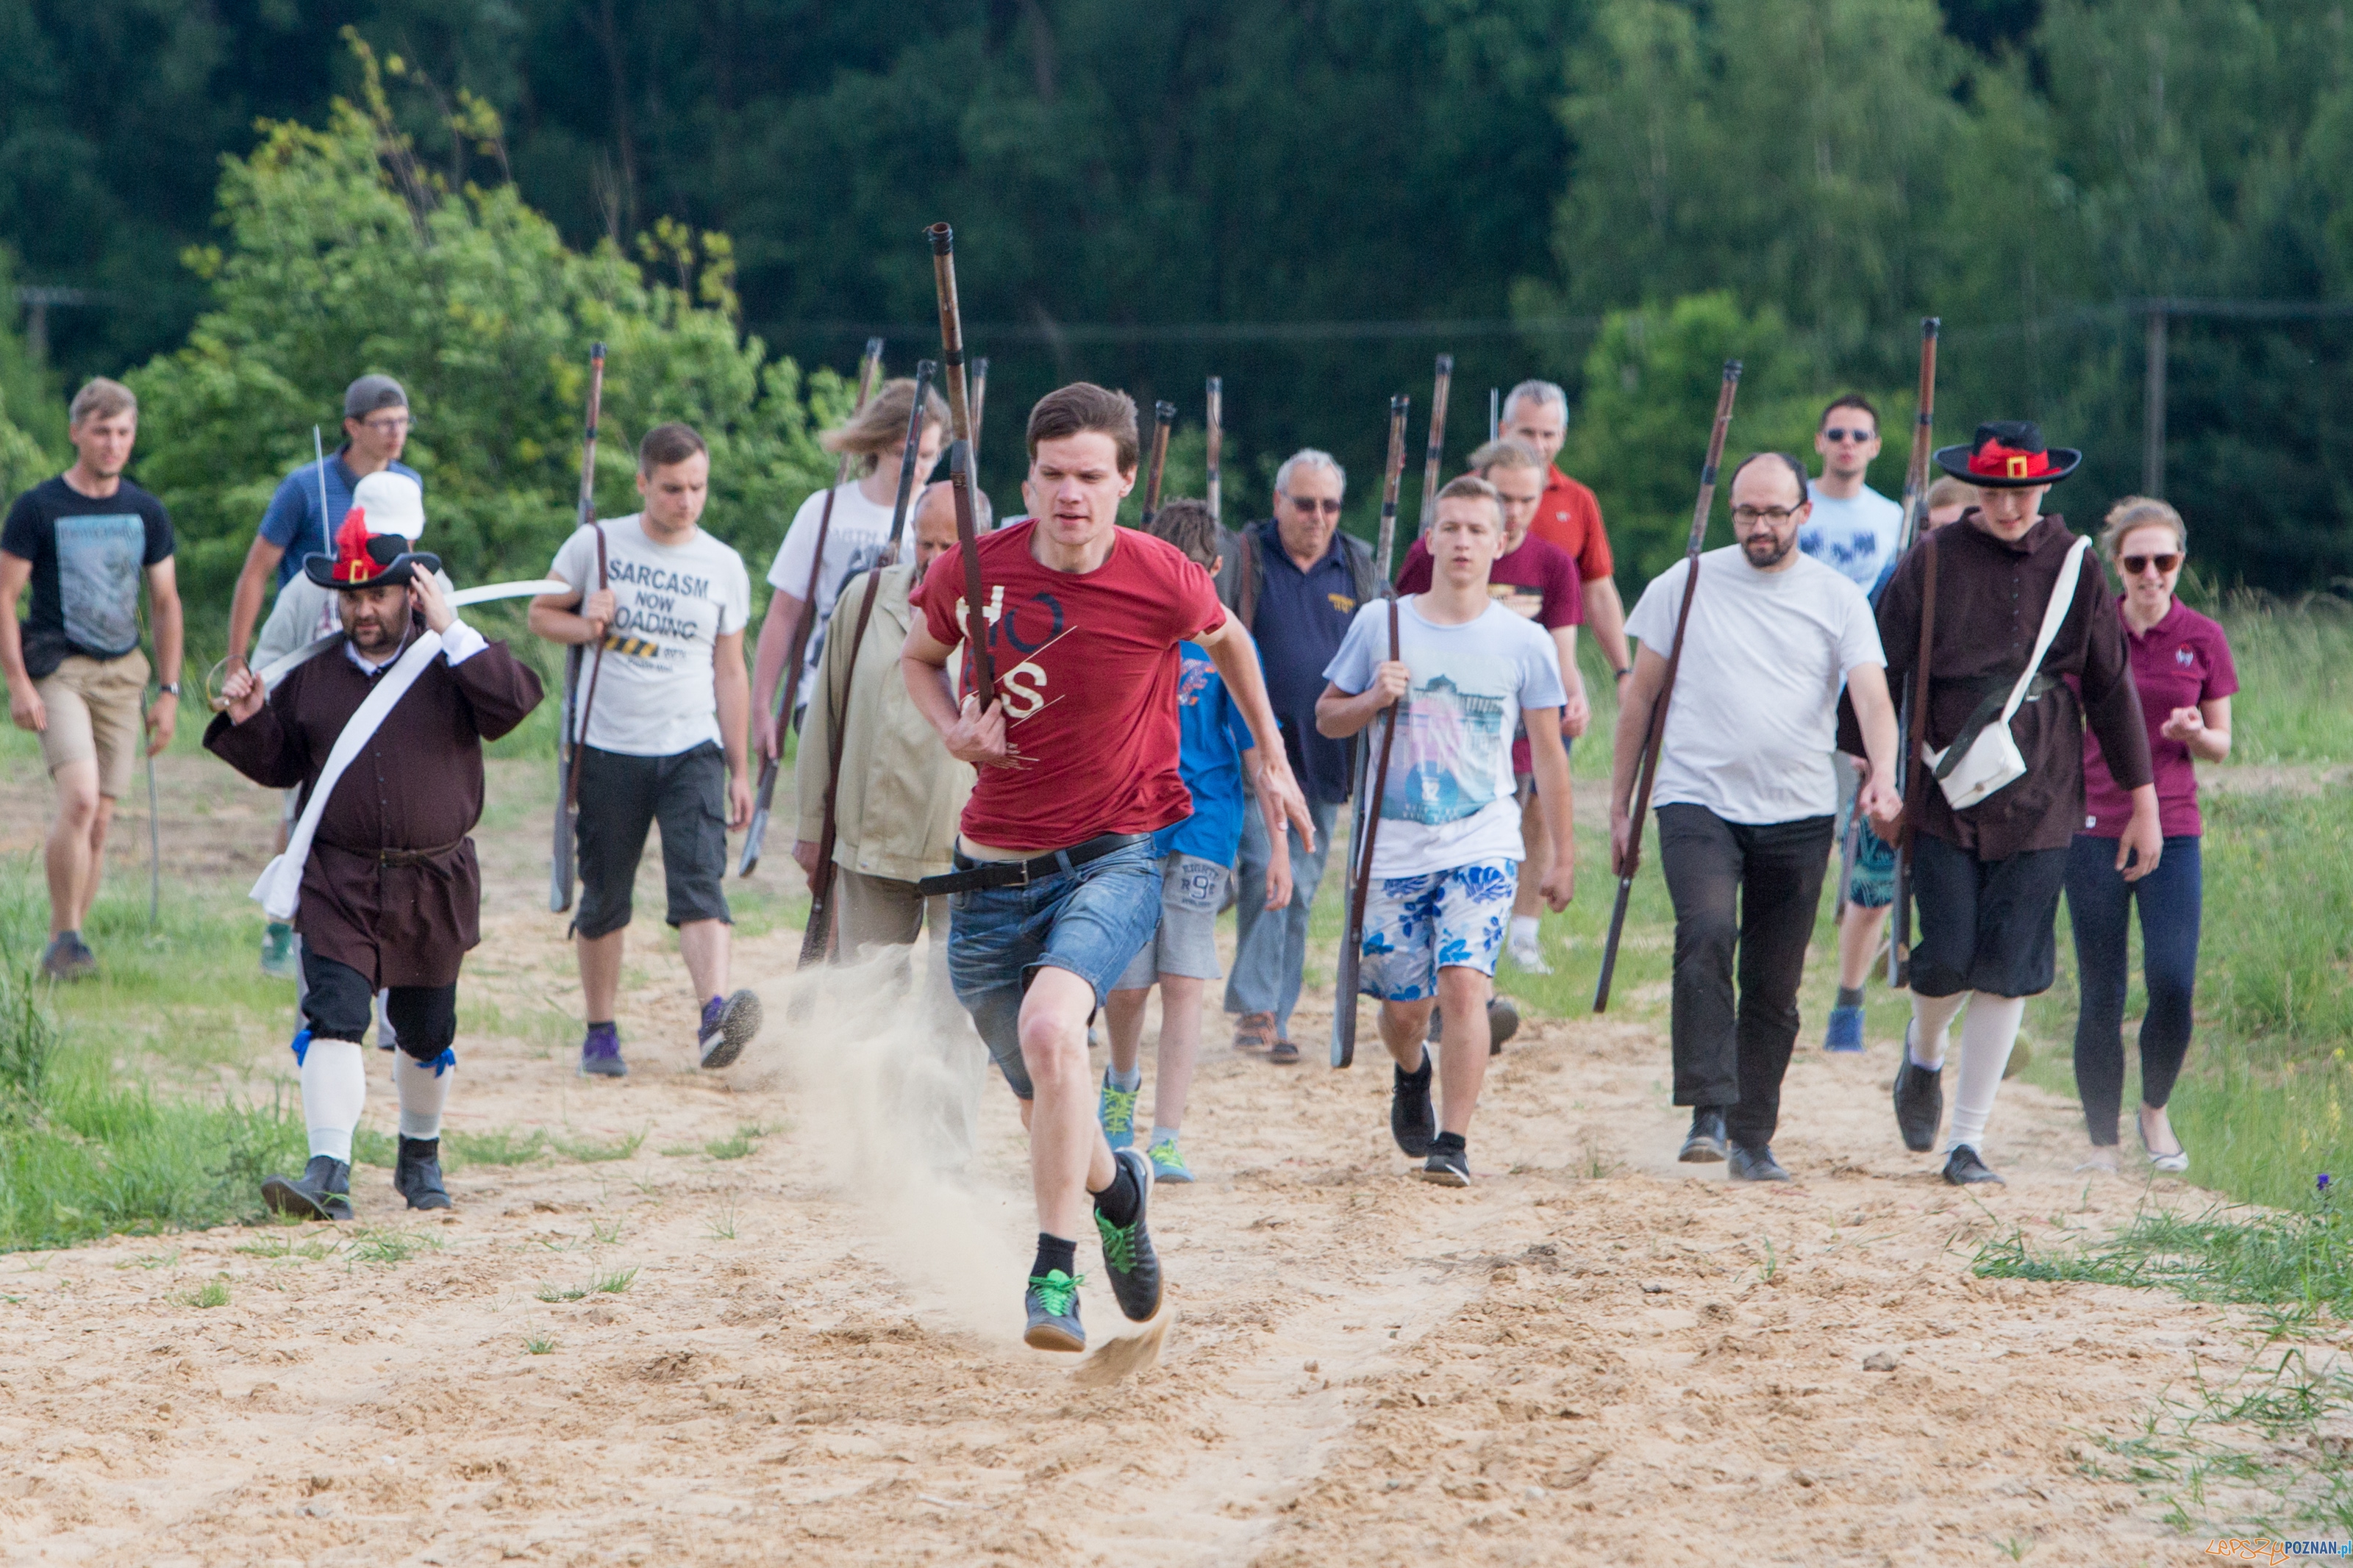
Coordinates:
<point>1919,1102</point>
<point>1746,1165</point>
<point>1964,1169</point>
<point>322,1191</point>
<point>418,1177</point>
<point>1707,1142</point>
<point>1413,1120</point>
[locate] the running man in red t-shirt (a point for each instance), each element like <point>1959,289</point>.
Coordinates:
<point>1056,885</point>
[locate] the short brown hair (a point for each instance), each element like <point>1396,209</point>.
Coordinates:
<point>1470,486</point>
<point>1188,525</point>
<point>881,425</point>
<point>101,399</point>
<point>1948,490</point>
<point>2137,512</point>
<point>1504,453</point>
<point>1852,400</point>
<point>668,443</point>
<point>1080,407</point>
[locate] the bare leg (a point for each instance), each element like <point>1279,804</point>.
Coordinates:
<point>1124,1021</point>
<point>1403,1025</point>
<point>1068,1156</point>
<point>600,973</point>
<point>704,945</point>
<point>104,820</point>
<point>1181,1000</point>
<point>1859,938</point>
<point>1462,1048</point>
<point>1529,898</point>
<point>73,879</point>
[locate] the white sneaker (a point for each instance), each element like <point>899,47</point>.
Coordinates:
<point>1529,956</point>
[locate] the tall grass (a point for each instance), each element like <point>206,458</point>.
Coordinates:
<point>2296,679</point>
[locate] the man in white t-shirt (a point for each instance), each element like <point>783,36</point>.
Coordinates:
<point>1852,527</point>
<point>854,538</point>
<point>1745,794</point>
<point>662,727</point>
<point>1447,845</point>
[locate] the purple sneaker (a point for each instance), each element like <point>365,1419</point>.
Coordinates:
<point>600,1053</point>
<point>728,1024</point>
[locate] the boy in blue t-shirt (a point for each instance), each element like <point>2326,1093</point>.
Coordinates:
<point>1196,857</point>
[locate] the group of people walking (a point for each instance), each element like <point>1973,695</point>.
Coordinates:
<point>1154,725</point>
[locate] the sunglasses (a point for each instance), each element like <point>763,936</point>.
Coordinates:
<point>1857,436</point>
<point>1311,505</point>
<point>1750,516</point>
<point>2137,564</point>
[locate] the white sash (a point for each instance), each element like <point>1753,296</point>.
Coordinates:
<point>280,890</point>
<point>278,669</point>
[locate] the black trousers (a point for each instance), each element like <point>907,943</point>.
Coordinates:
<point>1745,897</point>
<point>340,1002</point>
<point>1985,925</point>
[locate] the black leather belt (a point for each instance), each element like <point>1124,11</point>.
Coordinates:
<point>972,875</point>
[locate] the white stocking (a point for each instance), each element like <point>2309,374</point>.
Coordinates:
<point>1932,1020</point>
<point>334,1092</point>
<point>1987,1035</point>
<point>424,1091</point>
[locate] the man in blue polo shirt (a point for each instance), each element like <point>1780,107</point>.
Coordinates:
<point>1294,582</point>
<point>295,526</point>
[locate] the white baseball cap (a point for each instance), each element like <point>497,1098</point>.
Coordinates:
<point>394,503</point>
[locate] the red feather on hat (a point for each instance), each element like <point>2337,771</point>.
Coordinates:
<point>353,561</point>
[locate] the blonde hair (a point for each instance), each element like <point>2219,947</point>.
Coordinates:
<point>1470,486</point>
<point>2138,512</point>
<point>1504,453</point>
<point>1948,490</point>
<point>101,399</point>
<point>881,425</point>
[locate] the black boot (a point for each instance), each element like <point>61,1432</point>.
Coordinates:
<point>1919,1101</point>
<point>1706,1139</point>
<point>1413,1120</point>
<point>418,1177</point>
<point>322,1191</point>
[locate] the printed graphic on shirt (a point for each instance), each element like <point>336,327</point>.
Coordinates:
<point>98,578</point>
<point>1451,743</point>
<point>1342,603</point>
<point>659,614</point>
<point>1527,602</point>
<point>1037,622</point>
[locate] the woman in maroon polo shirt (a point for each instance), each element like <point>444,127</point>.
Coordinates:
<point>2181,665</point>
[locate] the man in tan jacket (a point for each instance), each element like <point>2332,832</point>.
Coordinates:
<point>896,806</point>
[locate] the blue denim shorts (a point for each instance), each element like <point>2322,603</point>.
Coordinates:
<point>1415,926</point>
<point>1090,922</point>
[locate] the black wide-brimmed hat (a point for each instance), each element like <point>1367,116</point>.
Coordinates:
<point>2009,454</point>
<point>365,560</point>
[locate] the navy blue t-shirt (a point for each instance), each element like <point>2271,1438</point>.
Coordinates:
<point>89,556</point>
<point>1302,616</point>
<point>293,520</point>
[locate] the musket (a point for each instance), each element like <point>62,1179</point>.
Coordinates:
<point>567,748</point>
<point>1372,780</point>
<point>1434,457</point>
<point>818,935</point>
<point>1164,416</point>
<point>975,621</point>
<point>1915,505</point>
<point>1216,443</point>
<point>796,647</point>
<point>1647,774</point>
<point>1494,412</point>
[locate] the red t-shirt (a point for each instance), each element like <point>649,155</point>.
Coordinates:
<point>1086,665</point>
<point>1537,580</point>
<point>2180,662</point>
<point>1570,518</point>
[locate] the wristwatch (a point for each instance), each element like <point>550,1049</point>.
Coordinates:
<point>170,688</point>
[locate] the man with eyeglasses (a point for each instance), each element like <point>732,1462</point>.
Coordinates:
<point>1745,794</point>
<point>1536,415</point>
<point>1294,582</point>
<point>301,519</point>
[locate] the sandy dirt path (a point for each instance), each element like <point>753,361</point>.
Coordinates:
<point>1592,1355</point>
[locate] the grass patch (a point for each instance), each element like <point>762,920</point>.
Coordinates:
<point>284,1248</point>
<point>613,1282</point>
<point>389,1245</point>
<point>211,1293</point>
<point>539,1344</point>
<point>562,1292</point>
<point>742,1142</point>
<point>2298,1263</point>
<point>2294,659</point>
<point>594,1151</point>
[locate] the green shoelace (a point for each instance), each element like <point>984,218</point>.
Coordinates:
<point>1056,1291</point>
<point>1118,1108</point>
<point>1163,1155</point>
<point>1118,1241</point>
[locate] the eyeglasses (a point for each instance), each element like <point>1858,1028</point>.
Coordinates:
<point>1857,436</point>
<point>388,426</point>
<point>1311,505</point>
<point>2137,564</point>
<point>1750,516</point>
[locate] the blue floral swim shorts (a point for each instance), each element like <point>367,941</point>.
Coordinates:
<point>1415,926</point>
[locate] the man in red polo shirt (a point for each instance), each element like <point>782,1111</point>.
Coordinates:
<point>1536,415</point>
<point>1055,886</point>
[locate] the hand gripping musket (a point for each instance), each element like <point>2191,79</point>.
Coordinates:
<point>1375,772</point>
<point>796,650</point>
<point>1649,775</point>
<point>567,749</point>
<point>1164,416</point>
<point>1433,459</point>
<point>976,622</point>
<point>818,935</point>
<point>1910,774</point>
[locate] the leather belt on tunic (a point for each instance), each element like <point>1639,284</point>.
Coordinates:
<point>415,856</point>
<point>972,875</point>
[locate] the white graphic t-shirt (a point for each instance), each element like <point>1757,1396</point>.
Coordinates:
<point>1854,538</point>
<point>853,541</point>
<point>671,604</point>
<point>1448,800</point>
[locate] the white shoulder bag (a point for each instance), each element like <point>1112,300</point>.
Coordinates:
<point>1984,757</point>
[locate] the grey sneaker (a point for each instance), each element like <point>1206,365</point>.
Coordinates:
<point>1052,1305</point>
<point>728,1027</point>
<point>67,957</point>
<point>600,1053</point>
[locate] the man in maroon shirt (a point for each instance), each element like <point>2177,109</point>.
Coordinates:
<point>1055,886</point>
<point>1988,877</point>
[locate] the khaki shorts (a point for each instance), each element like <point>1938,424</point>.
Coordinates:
<point>97,711</point>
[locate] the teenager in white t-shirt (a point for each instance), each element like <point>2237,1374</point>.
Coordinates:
<point>854,538</point>
<point>1851,529</point>
<point>664,738</point>
<point>1446,855</point>
<point>1745,796</point>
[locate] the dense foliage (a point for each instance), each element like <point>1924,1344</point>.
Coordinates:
<point>1795,180</point>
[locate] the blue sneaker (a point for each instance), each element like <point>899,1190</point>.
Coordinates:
<point>728,1024</point>
<point>1167,1165</point>
<point>600,1053</point>
<point>1053,1303</point>
<point>1116,1111</point>
<point>1845,1032</point>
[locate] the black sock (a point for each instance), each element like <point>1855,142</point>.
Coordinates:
<point>1419,1075</point>
<point>1122,1201</point>
<point>1849,996</point>
<point>1454,1140</point>
<point>1054,1253</point>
